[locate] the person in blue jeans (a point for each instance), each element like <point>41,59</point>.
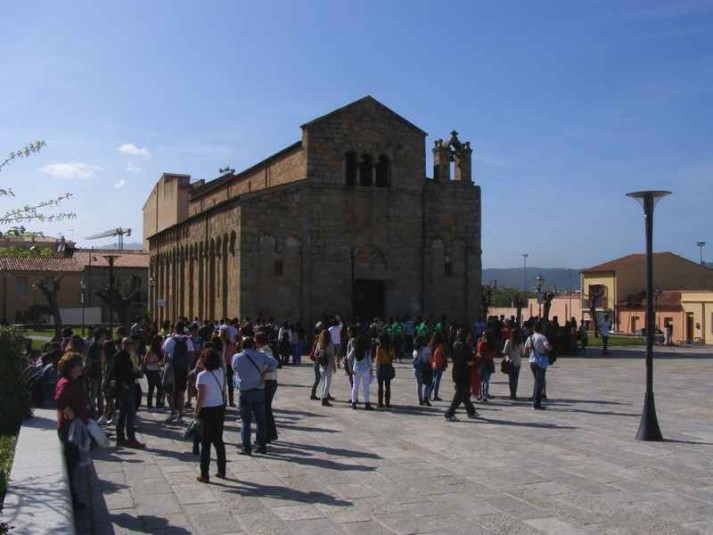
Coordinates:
<point>537,346</point>
<point>249,368</point>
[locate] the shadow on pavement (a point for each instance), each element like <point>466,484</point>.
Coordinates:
<point>146,524</point>
<point>285,493</point>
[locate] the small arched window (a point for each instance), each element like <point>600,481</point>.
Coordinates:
<point>382,172</point>
<point>351,169</point>
<point>365,169</point>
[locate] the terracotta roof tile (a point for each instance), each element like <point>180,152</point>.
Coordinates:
<point>40,264</point>
<point>124,259</point>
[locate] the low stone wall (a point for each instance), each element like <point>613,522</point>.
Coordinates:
<point>38,498</point>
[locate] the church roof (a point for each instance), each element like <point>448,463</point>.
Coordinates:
<point>361,101</point>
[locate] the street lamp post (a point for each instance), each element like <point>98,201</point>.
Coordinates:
<point>538,282</point>
<point>701,245</point>
<point>524,272</point>
<point>111,258</point>
<point>82,288</point>
<point>649,425</point>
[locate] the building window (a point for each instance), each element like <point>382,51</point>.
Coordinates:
<point>351,169</point>
<point>448,266</point>
<point>21,286</point>
<point>279,268</point>
<point>365,171</point>
<point>382,172</point>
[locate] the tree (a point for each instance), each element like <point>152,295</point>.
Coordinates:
<point>50,290</point>
<point>121,298</point>
<point>41,211</point>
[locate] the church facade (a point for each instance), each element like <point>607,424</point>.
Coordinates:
<point>345,221</point>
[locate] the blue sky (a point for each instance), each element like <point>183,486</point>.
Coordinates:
<point>568,105</point>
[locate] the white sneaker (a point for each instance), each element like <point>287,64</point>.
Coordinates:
<point>102,420</point>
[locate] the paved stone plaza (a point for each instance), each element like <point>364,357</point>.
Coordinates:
<point>575,468</point>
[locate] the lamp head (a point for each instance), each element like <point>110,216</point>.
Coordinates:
<point>654,195</point>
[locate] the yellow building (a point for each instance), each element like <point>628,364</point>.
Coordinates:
<point>684,291</point>
<point>698,312</point>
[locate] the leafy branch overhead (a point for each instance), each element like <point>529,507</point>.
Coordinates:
<point>31,212</point>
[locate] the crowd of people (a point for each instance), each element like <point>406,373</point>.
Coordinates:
<point>194,366</point>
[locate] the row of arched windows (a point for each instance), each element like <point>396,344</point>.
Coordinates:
<point>367,171</point>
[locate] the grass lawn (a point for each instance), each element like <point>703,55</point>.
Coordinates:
<point>7,451</point>
<point>616,341</point>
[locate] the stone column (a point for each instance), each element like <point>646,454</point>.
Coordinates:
<point>463,163</point>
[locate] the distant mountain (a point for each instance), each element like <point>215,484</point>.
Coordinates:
<point>562,278</point>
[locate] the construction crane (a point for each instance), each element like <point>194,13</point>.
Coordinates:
<point>120,232</point>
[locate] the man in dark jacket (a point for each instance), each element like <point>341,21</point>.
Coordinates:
<point>126,371</point>
<point>463,360</point>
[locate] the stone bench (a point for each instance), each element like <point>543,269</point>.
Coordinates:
<point>38,498</point>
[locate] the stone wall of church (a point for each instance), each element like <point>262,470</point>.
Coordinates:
<point>282,168</point>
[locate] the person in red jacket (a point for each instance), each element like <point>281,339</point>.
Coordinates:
<point>487,350</point>
<point>72,403</point>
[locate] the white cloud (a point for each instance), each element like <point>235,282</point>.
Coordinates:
<point>133,150</point>
<point>71,170</point>
<point>131,167</point>
<point>119,184</point>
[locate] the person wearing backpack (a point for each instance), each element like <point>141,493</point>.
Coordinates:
<point>422,369</point>
<point>439,365</point>
<point>463,363</point>
<point>177,350</point>
<point>210,412</point>
<point>537,347</point>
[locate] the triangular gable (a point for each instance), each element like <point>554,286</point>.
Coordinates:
<point>360,102</point>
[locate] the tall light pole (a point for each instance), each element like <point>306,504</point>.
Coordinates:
<point>701,245</point>
<point>649,425</point>
<point>524,272</point>
<point>538,281</point>
<point>111,258</point>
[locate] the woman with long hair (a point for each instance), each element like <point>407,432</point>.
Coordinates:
<point>227,352</point>
<point>152,365</point>
<point>487,349</point>
<point>327,365</point>
<point>210,412</point>
<point>360,361</point>
<point>511,352</point>
<point>72,403</point>
<point>438,365</point>
<point>385,355</point>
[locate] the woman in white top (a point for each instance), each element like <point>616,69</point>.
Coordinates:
<point>511,351</point>
<point>537,346</point>
<point>327,365</point>
<point>210,411</point>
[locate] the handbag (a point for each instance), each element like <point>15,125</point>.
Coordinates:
<point>191,430</point>
<point>388,372</point>
<point>506,366</point>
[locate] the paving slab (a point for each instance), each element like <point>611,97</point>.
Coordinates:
<point>574,468</point>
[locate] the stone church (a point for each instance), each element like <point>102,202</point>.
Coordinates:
<point>344,221</point>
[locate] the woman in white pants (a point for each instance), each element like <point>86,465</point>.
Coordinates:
<point>327,365</point>
<point>360,360</point>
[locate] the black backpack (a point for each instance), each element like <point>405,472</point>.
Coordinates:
<point>180,353</point>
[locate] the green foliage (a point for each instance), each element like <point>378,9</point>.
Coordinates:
<point>24,252</point>
<point>505,297</point>
<point>15,400</point>
<point>7,452</point>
